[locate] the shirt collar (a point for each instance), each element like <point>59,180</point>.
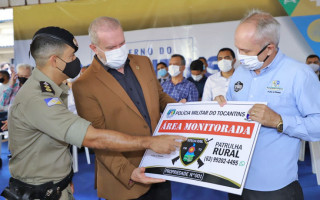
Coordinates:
<point>39,76</point>
<point>183,81</point>
<point>219,74</point>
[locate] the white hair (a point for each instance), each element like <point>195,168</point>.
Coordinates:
<point>102,24</point>
<point>24,66</point>
<point>267,27</point>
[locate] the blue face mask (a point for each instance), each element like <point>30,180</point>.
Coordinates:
<point>162,72</point>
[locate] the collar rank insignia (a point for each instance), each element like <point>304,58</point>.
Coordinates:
<point>46,87</point>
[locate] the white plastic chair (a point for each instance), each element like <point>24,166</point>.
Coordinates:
<point>75,157</point>
<point>315,157</point>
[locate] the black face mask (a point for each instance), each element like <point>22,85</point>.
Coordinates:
<point>22,80</point>
<point>1,80</point>
<point>72,68</point>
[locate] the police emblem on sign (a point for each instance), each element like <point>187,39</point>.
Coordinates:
<point>171,113</point>
<point>192,149</point>
<point>238,86</point>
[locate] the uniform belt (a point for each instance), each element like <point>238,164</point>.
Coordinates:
<point>47,190</point>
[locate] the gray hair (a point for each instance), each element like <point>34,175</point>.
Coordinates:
<point>102,24</point>
<point>24,66</point>
<point>267,27</point>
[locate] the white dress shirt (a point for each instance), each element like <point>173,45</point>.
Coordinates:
<point>215,85</point>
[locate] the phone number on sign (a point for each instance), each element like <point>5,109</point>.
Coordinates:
<point>220,160</point>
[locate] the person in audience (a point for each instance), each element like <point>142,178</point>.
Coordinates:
<point>42,128</point>
<point>120,91</point>
<point>4,84</point>
<point>292,112</point>
<point>179,87</point>
<point>218,83</point>
<point>205,63</point>
<point>16,81</point>
<point>6,66</point>
<point>162,72</point>
<point>197,76</point>
<point>314,62</point>
<point>24,72</point>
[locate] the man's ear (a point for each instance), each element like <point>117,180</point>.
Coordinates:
<point>234,61</point>
<point>52,61</point>
<point>271,47</point>
<point>93,48</point>
<point>183,67</point>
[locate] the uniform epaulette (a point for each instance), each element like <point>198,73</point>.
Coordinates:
<point>46,87</point>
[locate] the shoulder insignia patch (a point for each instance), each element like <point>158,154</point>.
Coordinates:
<point>46,87</point>
<point>52,101</point>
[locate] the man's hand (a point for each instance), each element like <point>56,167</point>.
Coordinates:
<point>4,127</point>
<point>221,100</point>
<point>263,114</point>
<point>72,187</point>
<point>165,144</point>
<point>183,101</point>
<point>138,175</point>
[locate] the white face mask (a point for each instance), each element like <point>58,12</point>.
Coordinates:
<point>251,62</point>
<point>117,57</point>
<point>174,70</point>
<point>197,77</point>
<point>315,67</point>
<point>225,65</point>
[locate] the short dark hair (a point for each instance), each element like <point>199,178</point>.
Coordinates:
<point>202,58</point>
<point>183,61</point>
<point>43,47</point>
<point>227,49</point>
<point>313,56</point>
<point>5,73</point>
<point>196,65</point>
<point>162,63</point>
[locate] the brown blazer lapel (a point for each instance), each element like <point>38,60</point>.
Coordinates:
<point>142,78</point>
<point>109,81</point>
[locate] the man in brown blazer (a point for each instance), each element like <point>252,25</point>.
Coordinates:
<point>120,92</point>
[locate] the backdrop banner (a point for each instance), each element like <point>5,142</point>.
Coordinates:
<point>190,41</point>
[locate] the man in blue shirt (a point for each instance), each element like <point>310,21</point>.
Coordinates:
<point>197,77</point>
<point>292,112</point>
<point>178,87</point>
<point>162,72</point>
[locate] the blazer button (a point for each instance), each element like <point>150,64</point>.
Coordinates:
<point>145,126</point>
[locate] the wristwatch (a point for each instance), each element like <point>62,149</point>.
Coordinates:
<point>280,126</point>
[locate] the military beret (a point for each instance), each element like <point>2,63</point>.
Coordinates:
<point>196,65</point>
<point>59,34</point>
